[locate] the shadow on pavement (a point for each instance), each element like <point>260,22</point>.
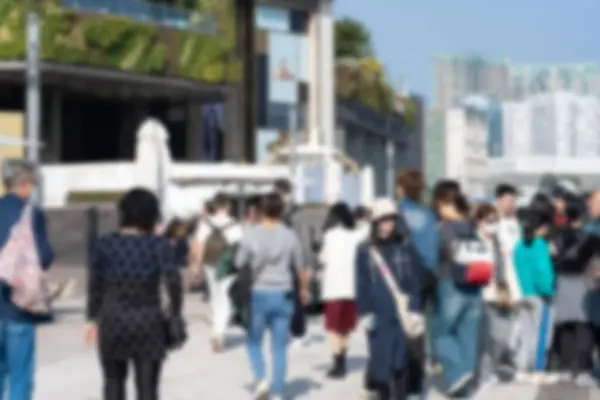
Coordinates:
<point>300,387</point>
<point>233,342</point>
<point>564,391</point>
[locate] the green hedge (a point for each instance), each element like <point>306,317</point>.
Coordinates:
<point>121,43</point>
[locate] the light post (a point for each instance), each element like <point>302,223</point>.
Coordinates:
<point>33,95</point>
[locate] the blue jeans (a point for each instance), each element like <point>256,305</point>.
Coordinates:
<point>458,319</point>
<point>272,310</point>
<point>17,359</point>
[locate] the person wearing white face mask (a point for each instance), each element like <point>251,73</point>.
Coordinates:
<point>508,232</point>
<point>496,354</point>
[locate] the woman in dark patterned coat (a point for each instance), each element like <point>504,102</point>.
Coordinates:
<point>124,303</point>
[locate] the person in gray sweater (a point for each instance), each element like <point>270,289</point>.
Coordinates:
<point>273,252</point>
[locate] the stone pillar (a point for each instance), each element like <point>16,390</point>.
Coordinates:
<point>326,75</point>
<point>314,89</point>
<point>194,139</point>
<point>325,97</point>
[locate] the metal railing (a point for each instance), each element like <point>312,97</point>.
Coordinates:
<point>147,12</point>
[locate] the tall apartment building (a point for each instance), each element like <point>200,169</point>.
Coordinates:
<point>457,147</point>
<point>459,76</point>
<point>529,80</point>
<point>552,125</point>
<point>556,133</point>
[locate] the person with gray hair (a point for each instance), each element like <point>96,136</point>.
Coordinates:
<point>18,327</point>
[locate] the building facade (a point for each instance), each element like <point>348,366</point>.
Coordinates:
<point>435,146</point>
<point>457,148</point>
<point>185,68</point>
<point>295,53</point>
<point>531,80</point>
<point>556,133</point>
<point>457,77</point>
<point>380,141</point>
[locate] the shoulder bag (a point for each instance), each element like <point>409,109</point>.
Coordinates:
<point>412,322</point>
<point>20,268</point>
<point>240,292</point>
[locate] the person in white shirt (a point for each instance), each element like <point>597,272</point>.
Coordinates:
<point>214,235</point>
<point>362,216</point>
<point>341,239</point>
<point>501,231</point>
<point>508,232</point>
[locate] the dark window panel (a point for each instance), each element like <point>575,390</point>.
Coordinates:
<point>262,87</point>
<point>299,21</point>
<point>303,93</point>
<point>261,39</point>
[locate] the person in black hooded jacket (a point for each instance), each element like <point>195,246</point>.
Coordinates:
<point>573,341</point>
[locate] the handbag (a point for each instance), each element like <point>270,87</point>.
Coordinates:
<point>413,323</point>
<point>240,292</point>
<point>175,332</point>
<point>20,268</point>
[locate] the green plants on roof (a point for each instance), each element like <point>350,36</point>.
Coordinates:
<point>113,41</point>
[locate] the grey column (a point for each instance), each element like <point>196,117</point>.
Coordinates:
<point>53,149</point>
<point>326,75</point>
<point>232,121</point>
<point>194,137</point>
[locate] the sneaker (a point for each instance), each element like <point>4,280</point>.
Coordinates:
<point>261,391</point>
<point>216,344</point>
<point>297,343</point>
<point>459,385</point>
<point>585,380</point>
<point>368,395</point>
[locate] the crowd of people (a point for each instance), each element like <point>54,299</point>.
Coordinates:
<point>478,293</point>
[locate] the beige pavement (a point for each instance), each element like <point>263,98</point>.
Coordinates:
<point>68,369</point>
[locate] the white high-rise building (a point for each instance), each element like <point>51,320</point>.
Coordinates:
<point>465,149</point>
<point>556,133</point>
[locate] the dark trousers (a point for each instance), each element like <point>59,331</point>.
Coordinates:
<point>298,322</point>
<point>415,371</point>
<point>575,344</point>
<point>398,389</point>
<point>147,377</point>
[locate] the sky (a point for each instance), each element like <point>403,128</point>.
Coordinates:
<point>407,34</point>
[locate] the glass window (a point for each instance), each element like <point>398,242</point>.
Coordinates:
<point>303,68</point>
<point>278,116</point>
<point>273,19</point>
<point>284,56</point>
<point>264,139</point>
<point>299,21</point>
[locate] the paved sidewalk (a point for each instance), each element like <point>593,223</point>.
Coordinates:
<point>69,370</point>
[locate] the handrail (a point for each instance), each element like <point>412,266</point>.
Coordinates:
<point>147,12</point>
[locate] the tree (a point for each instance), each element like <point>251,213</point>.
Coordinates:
<point>352,39</point>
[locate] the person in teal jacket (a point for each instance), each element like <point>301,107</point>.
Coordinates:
<point>535,272</point>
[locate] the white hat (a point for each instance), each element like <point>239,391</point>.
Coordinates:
<point>383,207</point>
